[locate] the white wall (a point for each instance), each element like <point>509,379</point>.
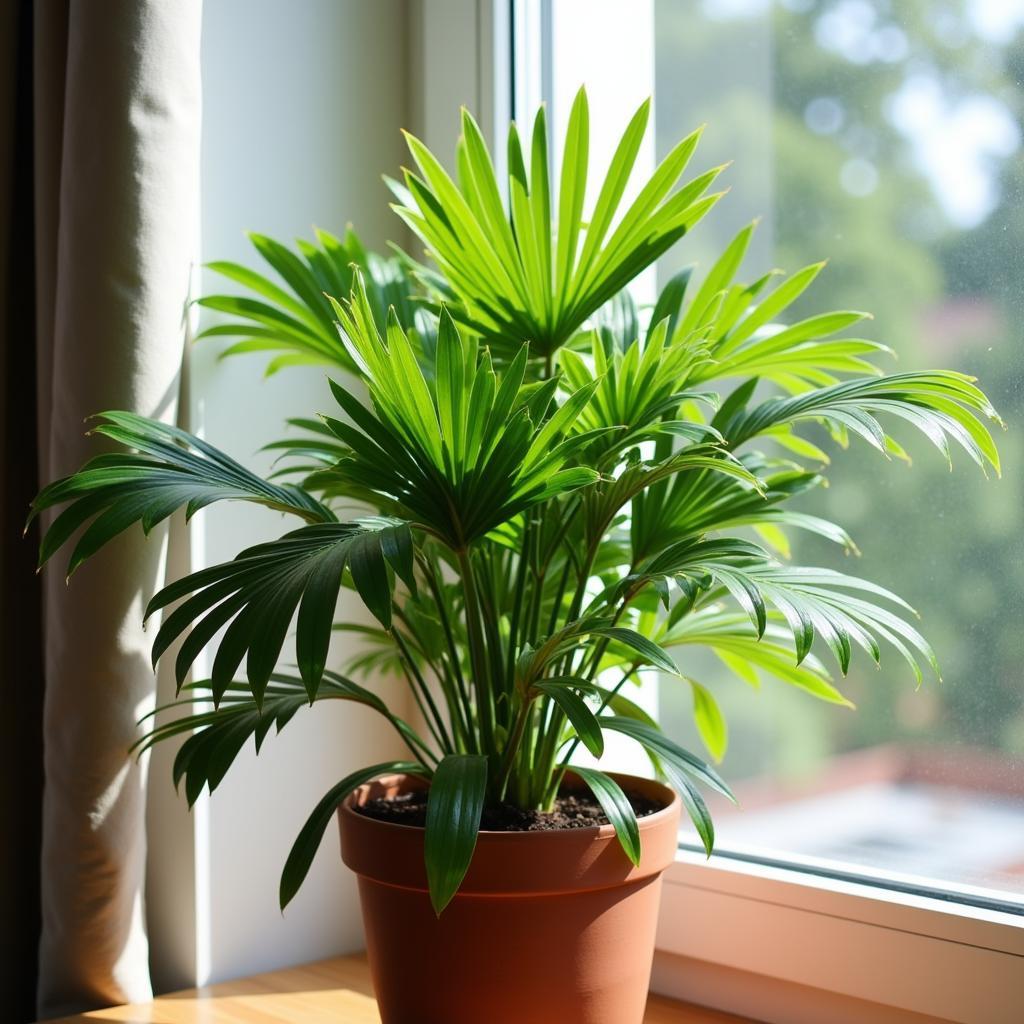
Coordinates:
<point>303,102</point>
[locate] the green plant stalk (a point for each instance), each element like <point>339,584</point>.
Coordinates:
<point>522,566</point>
<point>556,606</point>
<point>492,633</point>
<point>424,698</point>
<point>462,700</point>
<point>478,654</point>
<point>460,733</point>
<point>524,770</point>
<point>549,770</point>
<point>550,730</point>
<point>417,679</point>
<point>513,746</point>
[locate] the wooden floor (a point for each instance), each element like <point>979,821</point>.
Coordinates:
<point>330,992</point>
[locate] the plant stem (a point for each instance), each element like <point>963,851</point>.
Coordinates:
<point>559,596</point>
<point>477,653</point>
<point>550,751</point>
<point>512,747</point>
<point>517,604</point>
<point>551,729</point>
<point>434,720</point>
<point>526,751</point>
<point>462,703</point>
<point>490,615</point>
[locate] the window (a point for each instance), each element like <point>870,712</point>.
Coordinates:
<point>888,140</point>
<point>886,137</point>
<point>891,137</point>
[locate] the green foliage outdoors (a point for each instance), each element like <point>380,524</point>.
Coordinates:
<point>942,292</point>
<point>556,497</point>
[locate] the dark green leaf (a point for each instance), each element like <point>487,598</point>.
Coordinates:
<point>669,751</point>
<point>648,650</point>
<point>300,859</point>
<point>581,717</point>
<point>616,806</point>
<point>454,806</point>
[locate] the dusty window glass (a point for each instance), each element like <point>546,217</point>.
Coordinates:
<point>886,137</point>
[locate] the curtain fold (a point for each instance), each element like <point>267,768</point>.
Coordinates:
<point>116,151</point>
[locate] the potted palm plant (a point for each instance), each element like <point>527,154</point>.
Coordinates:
<point>556,498</point>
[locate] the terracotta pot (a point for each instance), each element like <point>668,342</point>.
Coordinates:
<point>547,927</point>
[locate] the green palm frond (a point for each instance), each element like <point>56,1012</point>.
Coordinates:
<point>736,643</point>
<point>690,506</point>
<point>639,394</point>
<point>459,454</point>
<point>257,594</point>
<point>216,734</point>
<point>164,469</point>
<point>295,323</point>
<point>603,502</point>
<point>737,325</point>
<point>814,602</point>
<point>943,405</point>
<point>536,271</point>
<point>823,603</point>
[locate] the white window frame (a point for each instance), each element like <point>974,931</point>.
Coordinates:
<point>849,939</point>
<point>772,942</point>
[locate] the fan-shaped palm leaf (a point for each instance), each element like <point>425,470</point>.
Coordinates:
<point>536,271</point>
<point>459,454</point>
<point>165,469</point>
<point>741,337</point>
<point>257,594</point>
<point>218,734</point>
<point>736,643</point>
<point>296,321</point>
<point>639,394</point>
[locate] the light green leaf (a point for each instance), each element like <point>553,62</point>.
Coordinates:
<point>709,720</point>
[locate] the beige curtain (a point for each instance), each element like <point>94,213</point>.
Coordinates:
<point>117,117</point>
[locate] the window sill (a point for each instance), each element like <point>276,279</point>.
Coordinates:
<point>904,953</point>
<point>337,990</point>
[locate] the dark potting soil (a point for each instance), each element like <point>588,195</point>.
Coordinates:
<point>572,810</point>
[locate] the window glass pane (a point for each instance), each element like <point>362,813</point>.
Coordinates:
<point>886,137</point>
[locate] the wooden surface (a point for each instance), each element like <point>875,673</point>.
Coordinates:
<point>330,992</point>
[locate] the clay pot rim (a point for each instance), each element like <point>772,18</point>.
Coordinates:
<point>595,832</point>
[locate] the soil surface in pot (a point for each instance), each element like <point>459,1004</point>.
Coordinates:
<point>573,809</point>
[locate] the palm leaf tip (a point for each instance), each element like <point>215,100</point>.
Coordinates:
<point>617,808</point>
<point>458,791</point>
<point>289,317</point>
<point>300,858</point>
<point>512,271</point>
